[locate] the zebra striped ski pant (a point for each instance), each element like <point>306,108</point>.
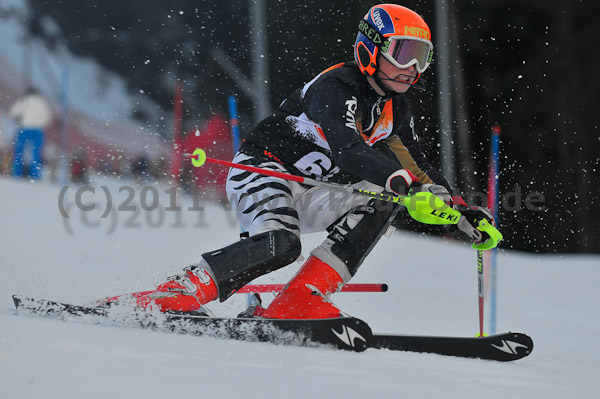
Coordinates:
<point>264,203</point>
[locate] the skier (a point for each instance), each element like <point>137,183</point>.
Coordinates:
<point>33,115</point>
<point>351,124</point>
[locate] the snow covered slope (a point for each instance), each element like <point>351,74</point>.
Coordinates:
<point>432,291</point>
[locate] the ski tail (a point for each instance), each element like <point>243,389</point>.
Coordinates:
<point>347,333</point>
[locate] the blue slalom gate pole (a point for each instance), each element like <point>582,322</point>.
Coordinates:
<point>493,206</point>
<point>233,118</point>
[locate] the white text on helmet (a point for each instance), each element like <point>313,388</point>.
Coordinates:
<point>378,21</point>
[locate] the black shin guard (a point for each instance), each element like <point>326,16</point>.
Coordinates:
<point>352,245</point>
<point>237,264</point>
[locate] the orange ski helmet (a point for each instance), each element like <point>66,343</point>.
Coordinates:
<point>399,33</point>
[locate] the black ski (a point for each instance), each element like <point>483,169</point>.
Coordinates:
<point>502,347</point>
<point>343,333</point>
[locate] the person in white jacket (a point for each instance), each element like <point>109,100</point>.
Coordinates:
<point>32,114</point>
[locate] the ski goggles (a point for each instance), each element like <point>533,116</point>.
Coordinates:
<point>404,51</point>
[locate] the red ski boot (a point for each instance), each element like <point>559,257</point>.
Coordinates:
<point>185,293</point>
<point>306,296</point>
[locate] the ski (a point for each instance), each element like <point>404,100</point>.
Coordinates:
<point>502,347</point>
<point>346,333</point>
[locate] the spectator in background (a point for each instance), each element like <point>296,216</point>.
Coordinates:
<point>32,114</point>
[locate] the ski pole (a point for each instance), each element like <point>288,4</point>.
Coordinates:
<point>480,289</point>
<point>262,288</point>
<point>423,206</point>
<point>199,157</point>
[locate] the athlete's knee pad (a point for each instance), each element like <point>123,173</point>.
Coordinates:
<point>353,237</point>
<point>237,264</point>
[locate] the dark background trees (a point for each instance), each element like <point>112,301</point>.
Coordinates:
<point>529,66</point>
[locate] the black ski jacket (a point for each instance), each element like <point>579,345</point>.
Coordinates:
<point>338,128</point>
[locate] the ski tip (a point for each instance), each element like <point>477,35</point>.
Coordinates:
<point>17,300</point>
<point>516,345</point>
<point>384,287</point>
